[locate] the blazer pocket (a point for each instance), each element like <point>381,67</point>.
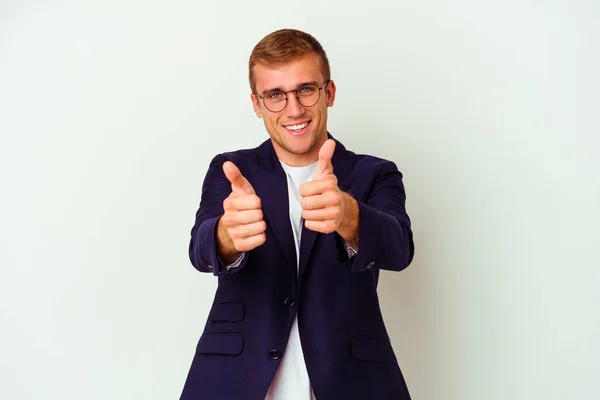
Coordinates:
<point>227,312</point>
<point>371,348</point>
<point>227,343</point>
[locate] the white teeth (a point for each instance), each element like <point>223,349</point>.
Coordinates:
<point>296,127</point>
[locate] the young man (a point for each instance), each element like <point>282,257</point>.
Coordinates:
<point>297,230</point>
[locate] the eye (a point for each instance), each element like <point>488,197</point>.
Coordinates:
<point>274,96</point>
<point>308,89</point>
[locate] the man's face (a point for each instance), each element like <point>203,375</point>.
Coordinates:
<point>297,132</point>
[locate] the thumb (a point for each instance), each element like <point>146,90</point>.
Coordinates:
<point>239,184</point>
<point>324,167</point>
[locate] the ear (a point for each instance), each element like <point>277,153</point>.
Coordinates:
<point>330,93</point>
<point>256,105</point>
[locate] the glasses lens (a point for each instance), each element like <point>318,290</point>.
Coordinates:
<point>275,101</point>
<point>308,95</point>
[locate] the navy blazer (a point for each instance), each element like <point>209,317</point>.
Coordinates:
<point>346,347</point>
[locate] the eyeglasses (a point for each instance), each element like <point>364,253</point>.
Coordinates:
<point>307,96</point>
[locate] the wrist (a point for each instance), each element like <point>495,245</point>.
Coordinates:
<point>349,226</point>
<point>226,250</point>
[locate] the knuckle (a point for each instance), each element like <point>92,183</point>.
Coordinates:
<point>330,226</point>
<point>241,246</point>
<point>309,204</point>
<point>335,199</point>
<point>227,219</point>
<point>258,240</point>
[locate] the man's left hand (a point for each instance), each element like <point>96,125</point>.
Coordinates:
<point>325,207</point>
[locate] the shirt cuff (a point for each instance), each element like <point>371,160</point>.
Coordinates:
<point>349,249</point>
<point>237,262</point>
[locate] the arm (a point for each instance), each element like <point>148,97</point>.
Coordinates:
<point>349,227</point>
<point>226,250</point>
<point>384,233</point>
<point>206,237</point>
<point>378,228</point>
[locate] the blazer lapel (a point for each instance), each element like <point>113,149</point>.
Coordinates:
<point>270,183</point>
<point>341,169</point>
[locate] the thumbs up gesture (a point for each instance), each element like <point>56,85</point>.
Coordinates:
<point>323,203</point>
<point>242,227</point>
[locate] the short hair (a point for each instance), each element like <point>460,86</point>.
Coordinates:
<point>283,46</point>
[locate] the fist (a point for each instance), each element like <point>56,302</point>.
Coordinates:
<point>242,219</point>
<point>323,203</point>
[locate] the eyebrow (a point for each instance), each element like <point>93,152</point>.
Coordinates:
<point>280,89</point>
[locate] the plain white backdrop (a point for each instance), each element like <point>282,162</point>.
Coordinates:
<point>110,112</point>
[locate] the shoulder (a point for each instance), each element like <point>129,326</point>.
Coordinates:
<point>242,157</point>
<point>365,162</point>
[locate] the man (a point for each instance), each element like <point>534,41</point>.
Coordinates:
<point>297,230</point>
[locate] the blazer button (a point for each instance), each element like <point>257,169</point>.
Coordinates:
<point>275,354</point>
<point>370,265</point>
<point>289,302</point>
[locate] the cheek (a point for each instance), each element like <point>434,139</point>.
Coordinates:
<point>271,122</point>
<point>321,116</point>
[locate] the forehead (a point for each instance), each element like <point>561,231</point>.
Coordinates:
<point>288,76</point>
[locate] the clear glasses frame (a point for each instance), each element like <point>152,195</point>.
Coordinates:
<point>300,99</point>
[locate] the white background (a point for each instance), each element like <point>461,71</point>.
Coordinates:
<point>111,111</point>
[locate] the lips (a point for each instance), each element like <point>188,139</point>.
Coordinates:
<point>297,129</point>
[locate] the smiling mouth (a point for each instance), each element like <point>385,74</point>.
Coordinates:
<point>297,129</point>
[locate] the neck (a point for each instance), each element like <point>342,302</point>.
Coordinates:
<point>300,160</point>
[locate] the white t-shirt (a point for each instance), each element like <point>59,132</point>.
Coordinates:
<point>291,380</point>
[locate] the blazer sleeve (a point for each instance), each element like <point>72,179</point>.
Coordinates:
<point>203,246</point>
<point>385,238</point>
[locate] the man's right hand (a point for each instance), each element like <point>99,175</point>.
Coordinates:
<point>242,227</point>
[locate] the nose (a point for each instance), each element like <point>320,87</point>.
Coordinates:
<point>293,108</point>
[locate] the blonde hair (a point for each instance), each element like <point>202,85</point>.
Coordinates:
<point>283,46</point>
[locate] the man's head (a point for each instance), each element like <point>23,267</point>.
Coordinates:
<point>289,60</point>
<point>283,46</point>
